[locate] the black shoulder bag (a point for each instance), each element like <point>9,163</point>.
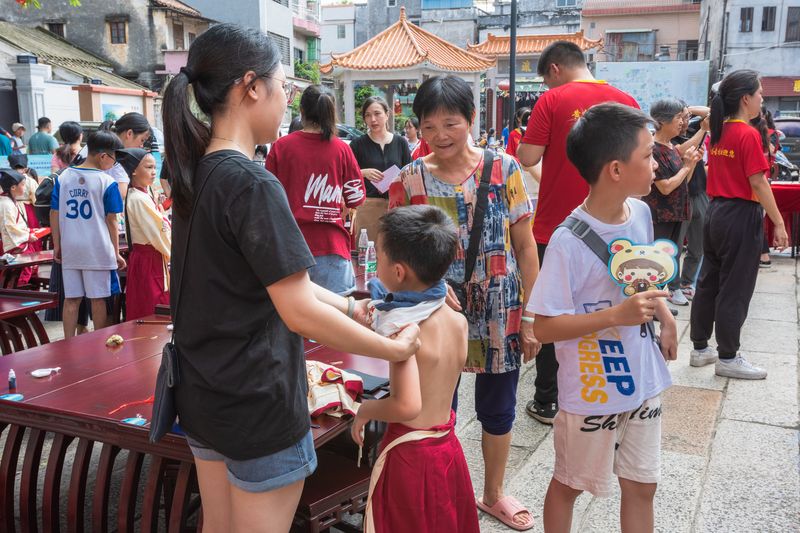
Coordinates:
<point>476,231</point>
<point>599,247</point>
<point>164,409</point>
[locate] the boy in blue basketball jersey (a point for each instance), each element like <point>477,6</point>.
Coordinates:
<point>83,218</point>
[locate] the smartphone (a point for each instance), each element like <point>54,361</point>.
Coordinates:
<point>702,140</point>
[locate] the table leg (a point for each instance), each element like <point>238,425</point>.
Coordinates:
<point>127,496</point>
<point>24,328</point>
<point>38,328</point>
<point>152,493</point>
<point>77,485</point>
<point>102,485</point>
<point>30,481</point>
<point>51,501</point>
<point>8,472</point>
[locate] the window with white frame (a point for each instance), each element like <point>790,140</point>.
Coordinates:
<point>341,31</point>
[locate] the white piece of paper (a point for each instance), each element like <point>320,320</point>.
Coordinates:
<point>389,176</point>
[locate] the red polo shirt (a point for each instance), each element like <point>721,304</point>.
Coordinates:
<point>737,156</point>
<point>562,188</point>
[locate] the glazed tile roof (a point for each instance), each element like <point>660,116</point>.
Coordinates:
<point>404,45</point>
<point>599,8</point>
<point>495,45</point>
<point>56,52</point>
<point>177,6</point>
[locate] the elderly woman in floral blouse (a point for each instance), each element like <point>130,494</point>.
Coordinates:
<point>505,270</point>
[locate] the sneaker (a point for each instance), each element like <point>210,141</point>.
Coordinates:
<point>703,357</point>
<point>543,412</point>
<point>677,298</point>
<point>688,292</point>
<point>739,367</point>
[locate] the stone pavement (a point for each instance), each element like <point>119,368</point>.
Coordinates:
<point>729,448</point>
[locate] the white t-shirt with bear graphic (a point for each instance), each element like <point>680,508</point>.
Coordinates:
<point>609,371</point>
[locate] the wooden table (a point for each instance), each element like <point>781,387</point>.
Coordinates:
<point>9,273</point>
<point>20,327</point>
<point>74,406</point>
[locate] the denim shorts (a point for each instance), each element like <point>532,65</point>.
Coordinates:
<point>333,272</point>
<point>269,472</point>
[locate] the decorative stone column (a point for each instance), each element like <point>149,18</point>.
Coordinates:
<point>30,92</point>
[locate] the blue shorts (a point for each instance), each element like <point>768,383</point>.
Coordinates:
<point>267,473</point>
<point>495,401</point>
<point>333,272</point>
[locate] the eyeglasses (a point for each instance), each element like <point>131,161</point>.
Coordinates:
<point>289,88</point>
<point>108,155</point>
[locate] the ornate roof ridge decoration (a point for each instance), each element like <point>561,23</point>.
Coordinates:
<point>500,45</point>
<point>403,45</point>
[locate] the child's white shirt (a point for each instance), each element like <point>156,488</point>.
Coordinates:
<point>610,371</point>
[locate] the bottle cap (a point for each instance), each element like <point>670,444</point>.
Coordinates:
<point>371,243</point>
<point>363,230</point>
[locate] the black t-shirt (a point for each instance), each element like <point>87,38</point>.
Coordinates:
<point>369,155</point>
<point>698,183</point>
<point>243,378</point>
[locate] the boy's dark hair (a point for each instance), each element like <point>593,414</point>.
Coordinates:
<point>561,53</point>
<point>422,237</point>
<point>448,93</point>
<point>43,123</point>
<point>103,141</point>
<point>606,132</point>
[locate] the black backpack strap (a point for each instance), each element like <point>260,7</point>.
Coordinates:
<point>479,215</point>
<point>599,247</point>
<point>590,238</point>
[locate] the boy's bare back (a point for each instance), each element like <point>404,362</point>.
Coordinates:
<point>440,361</point>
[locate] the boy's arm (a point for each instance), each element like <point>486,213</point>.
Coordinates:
<point>404,403</point>
<point>55,231</point>
<point>111,224</point>
<point>636,310</point>
<point>669,331</point>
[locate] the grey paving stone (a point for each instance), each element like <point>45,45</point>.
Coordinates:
<point>769,336</point>
<point>779,279</point>
<point>781,307</point>
<point>674,505</point>
<point>688,376</point>
<point>690,416</point>
<point>752,482</point>
<point>771,401</point>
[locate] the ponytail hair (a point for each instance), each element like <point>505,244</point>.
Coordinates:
<point>729,95</point>
<point>210,72</point>
<point>760,124</point>
<point>70,133</point>
<point>319,107</point>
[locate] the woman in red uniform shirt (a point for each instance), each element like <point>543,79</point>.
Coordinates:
<point>739,194</point>
<point>521,122</point>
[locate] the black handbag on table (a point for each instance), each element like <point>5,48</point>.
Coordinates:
<point>168,377</point>
<point>476,231</point>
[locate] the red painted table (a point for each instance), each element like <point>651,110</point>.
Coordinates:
<point>74,405</point>
<point>787,196</point>
<point>20,327</point>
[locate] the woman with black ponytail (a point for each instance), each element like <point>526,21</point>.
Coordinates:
<point>133,130</point>
<point>732,236</point>
<point>241,396</point>
<point>322,181</point>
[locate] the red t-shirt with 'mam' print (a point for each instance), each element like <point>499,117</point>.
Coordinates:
<point>319,176</point>
<point>737,156</point>
<point>562,188</point>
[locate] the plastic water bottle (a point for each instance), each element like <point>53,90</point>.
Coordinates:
<point>372,261</point>
<point>363,244</point>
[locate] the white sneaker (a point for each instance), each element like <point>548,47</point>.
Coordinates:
<point>677,298</point>
<point>739,367</point>
<point>703,357</point>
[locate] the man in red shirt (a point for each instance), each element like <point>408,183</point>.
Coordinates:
<point>573,90</point>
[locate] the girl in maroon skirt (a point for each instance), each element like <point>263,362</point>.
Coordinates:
<point>149,237</point>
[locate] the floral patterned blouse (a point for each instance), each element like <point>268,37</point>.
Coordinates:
<point>673,207</point>
<point>495,292</point>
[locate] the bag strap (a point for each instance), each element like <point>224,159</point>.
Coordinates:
<point>590,238</point>
<point>599,247</point>
<point>202,182</point>
<point>479,215</point>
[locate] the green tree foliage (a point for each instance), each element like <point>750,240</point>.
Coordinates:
<point>362,93</point>
<point>306,71</point>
